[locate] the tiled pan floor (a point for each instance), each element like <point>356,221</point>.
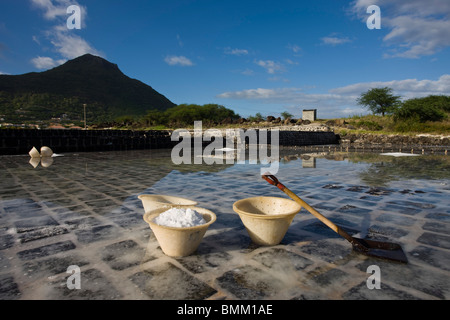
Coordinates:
<point>83,210</point>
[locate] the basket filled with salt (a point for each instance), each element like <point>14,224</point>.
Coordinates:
<point>154,201</point>
<point>179,230</point>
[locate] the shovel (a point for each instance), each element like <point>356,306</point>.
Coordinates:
<point>378,249</point>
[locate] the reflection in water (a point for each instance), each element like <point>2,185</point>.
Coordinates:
<point>309,162</point>
<point>45,157</point>
<point>84,210</point>
<point>44,161</point>
<point>384,168</point>
<point>120,174</point>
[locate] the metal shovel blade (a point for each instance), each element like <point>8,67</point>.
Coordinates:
<point>378,249</point>
<point>384,250</point>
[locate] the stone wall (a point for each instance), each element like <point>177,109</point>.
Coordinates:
<point>394,140</point>
<point>307,138</point>
<point>15,141</point>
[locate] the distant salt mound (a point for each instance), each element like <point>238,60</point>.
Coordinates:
<point>399,154</point>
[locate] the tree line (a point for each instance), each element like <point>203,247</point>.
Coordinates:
<point>183,115</point>
<point>383,101</point>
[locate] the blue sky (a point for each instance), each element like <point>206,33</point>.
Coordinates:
<point>250,56</point>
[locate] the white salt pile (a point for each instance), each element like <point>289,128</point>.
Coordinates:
<point>180,218</point>
<point>399,154</point>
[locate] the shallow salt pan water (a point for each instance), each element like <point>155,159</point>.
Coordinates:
<point>83,210</point>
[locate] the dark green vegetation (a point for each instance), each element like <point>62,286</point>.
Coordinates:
<point>114,100</point>
<point>431,108</point>
<point>379,100</point>
<point>182,115</point>
<point>419,115</point>
<point>62,91</point>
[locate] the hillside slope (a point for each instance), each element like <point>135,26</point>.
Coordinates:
<point>63,90</point>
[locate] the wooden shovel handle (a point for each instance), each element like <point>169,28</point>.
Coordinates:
<point>274,181</point>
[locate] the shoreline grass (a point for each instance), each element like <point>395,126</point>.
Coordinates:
<point>374,124</point>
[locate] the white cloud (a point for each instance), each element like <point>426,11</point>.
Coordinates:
<point>295,48</point>
<point>420,36</point>
<point>65,42</point>
<point>248,72</point>
<point>285,95</point>
<point>333,41</point>
<point>36,39</point>
<point>51,10</point>
<point>340,102</point>
<point>180,43</point>
<point>46,62</point>
<point>416,28</point>
<point>408,88</point>
<point>271,67</point>
<point>178,60</point>
<point>236,52</point>
<point>289,61</point>
<point>259,93</point>
<point>70,45</point>
<point>278,79</point>
<point>54,9</point>
<point>329,104</point>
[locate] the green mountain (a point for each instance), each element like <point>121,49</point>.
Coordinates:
<point>62,91</point>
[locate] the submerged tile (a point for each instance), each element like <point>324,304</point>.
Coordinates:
<point>93,196</point>
<point>380,231</point>
<point>432,256</point>
<point>9,289</point>
<point>250,283</point>
<point>124,254</point>
<point>34,223</point>
<point>6,241</point>
<point>398,220</point>
<point>97,233</point>
<point>396,208</point>
<point>94,285</point>
<point>129,221</point>
<point>362,292</point>
<point>351,209</point>
<point>86,222</point>
<point>46,250</point>
<point>328,250</point>
<point>205,261</point>
<point>411,276</point>
<point>46,268</point>
<point>440,216</point>
<point>440,227</point>
<point>168,282</point>
<point>41,233</point>
<point>282,260</point>
<point>433,239</point>
<point>329,277</point>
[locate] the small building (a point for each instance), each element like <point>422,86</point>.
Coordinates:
<point>309,162</point>
<point>309,114</point>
